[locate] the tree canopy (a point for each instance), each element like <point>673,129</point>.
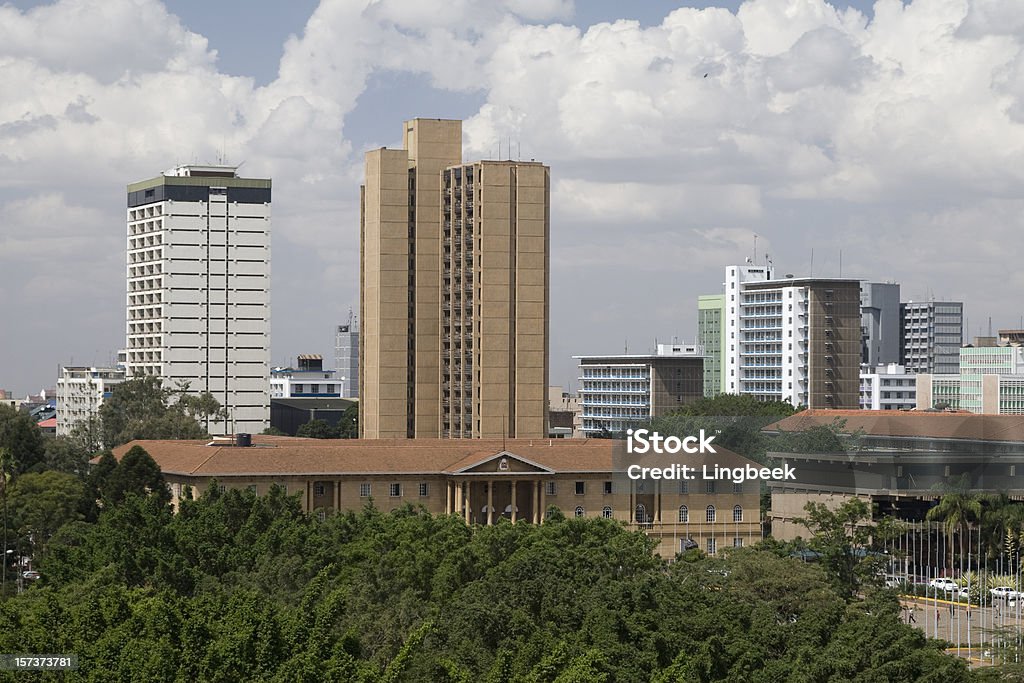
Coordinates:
<point>142,408</point>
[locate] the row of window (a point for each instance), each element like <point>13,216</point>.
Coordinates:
<point>710,514</point>
<point>551,489</point>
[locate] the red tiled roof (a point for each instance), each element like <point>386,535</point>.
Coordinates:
<point>911,423</point>
<point>272,455</point>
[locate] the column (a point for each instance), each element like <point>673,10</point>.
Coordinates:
<point>535,519</point>
<point>469,501</point>
<point>657,502</point>
<point>543,501</point>
<point>490,502</point>
<point>337,495</point>
<point>632,501</point>
<point>458,498</point>
<point>514,501</point>
<point>447,498</point>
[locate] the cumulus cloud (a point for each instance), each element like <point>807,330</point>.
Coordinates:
<point>790,118</point>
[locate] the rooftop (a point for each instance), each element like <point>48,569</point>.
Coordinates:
<point>911,424</point>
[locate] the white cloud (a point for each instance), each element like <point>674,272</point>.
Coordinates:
<point>904,130</point>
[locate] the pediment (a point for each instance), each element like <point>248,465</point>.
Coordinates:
<point>504,462</point>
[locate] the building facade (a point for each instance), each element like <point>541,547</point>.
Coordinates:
<point>307,380</point>
<point>346,357</point>
<point>991,382</point>
<point>80,393</point>
<point>619,392</point>
<point>711,336</point>
<point>888,387</point>
<point>880,323</point>
<point>483,482</point>
<point>932,334</point>
<point>198,288</point>
<point>793,339</point>
<point>454,296</point>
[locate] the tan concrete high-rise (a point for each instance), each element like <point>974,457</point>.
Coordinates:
<point>454,291</point>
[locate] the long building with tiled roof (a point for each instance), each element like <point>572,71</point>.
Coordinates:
<point>481,480</point>
<point>899,461</point>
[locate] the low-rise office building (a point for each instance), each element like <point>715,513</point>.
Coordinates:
<point>308,380</point>
<point>618,392</point>
<point>481,481</point>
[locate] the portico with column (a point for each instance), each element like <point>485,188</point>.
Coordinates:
<point>501,485</point>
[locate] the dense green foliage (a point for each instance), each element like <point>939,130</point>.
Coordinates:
<point>737,421</point>
<point>347,427</point>
<point>142,408</point>
<point>240,587</point>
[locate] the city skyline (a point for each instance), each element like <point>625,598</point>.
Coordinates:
<point>672,142</point>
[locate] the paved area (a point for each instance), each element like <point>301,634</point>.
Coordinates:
<point>979,634</point>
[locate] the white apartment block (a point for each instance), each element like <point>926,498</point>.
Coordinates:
<point>198,288</point>
<point>793,339</point>
<point>888,387</point>
<point>80,393</point>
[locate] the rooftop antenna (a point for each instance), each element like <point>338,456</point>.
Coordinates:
<point>840,263</point>
<point>755,247</point>
<point>812,261</point>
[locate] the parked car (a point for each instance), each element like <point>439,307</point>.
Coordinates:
<point>893,581</point>
<point>30,575</point>
<point>945,584</point>
<point>1004,593</point>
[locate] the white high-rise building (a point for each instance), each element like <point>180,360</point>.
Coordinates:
<point>198,288</point>
<point>791,339</point>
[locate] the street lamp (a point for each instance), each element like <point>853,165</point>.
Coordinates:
<point>3,585</point>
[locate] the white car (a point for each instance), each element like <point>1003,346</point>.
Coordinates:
<point>1004,592</point>
<point>947,585</point>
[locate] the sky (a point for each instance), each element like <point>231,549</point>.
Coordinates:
<point>884,136</point>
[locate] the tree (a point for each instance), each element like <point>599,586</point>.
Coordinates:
<point>142,408</point>
<point>66,455</point>
<point>137,473</point>
<point>348,425</point>
<point>957,509</point>
<point>848,541</point>
<point>21,437</point>
<point>317,429</point>
<point>40,504</point>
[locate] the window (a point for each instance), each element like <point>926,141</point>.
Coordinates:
<point>711,513</point>
<point>641,514</point>
<point>579,511</point>
<point>711,546</point>
<point>684,486</point>
<point>737,513</point>
<point>737,488</point>
<point>314,388</point>
<point>607,488</point>
<point>251,488</point>
<point>606,512</point>
<point>321,514</point>
<point>364,490</point>
<point>395,490</point>
<point>684,514</point>
<point>737,542</point>
<point>424,489</point>
<point>319,489</point>
<point>581,488</point>
<point>297,388</point>
<point>709,486</point>
<point>551,490</point>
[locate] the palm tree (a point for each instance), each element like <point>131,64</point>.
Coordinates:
<point>957,509</point>
<point>1001,517</point>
